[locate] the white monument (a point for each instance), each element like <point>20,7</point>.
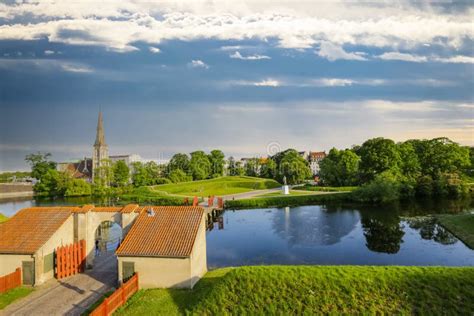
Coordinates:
<point>285,188</point>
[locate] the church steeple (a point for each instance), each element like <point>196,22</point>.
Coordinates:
<point>100,137</point>
<point>101,150</point>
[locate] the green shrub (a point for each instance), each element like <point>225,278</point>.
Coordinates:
<point>284,201</point>
<point>162,181</point>
<point>381,190</point>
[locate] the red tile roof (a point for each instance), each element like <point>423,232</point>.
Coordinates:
<point>31,228</point>
<point>170,232</point>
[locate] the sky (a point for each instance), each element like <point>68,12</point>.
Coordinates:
<point>247,77</point>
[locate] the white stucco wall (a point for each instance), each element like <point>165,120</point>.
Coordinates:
<point>160,272</point>
<point>199,254</point>
<point>9,263</point>
<point>62,237</point>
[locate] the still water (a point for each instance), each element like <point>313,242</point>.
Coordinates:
<point>322,234</point>
<point>330,235</point>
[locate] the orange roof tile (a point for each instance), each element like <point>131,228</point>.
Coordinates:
<point>169,233</point>
<point>30,228</point>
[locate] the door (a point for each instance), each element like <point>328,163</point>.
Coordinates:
<point>128,270</point>
<point>28,268</point>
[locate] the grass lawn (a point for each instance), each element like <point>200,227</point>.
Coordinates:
<point>218,186</point>
<point>10,296</point>
<point>285,290</point>
<point>288,200</point>
<point>462,226</point>
<point>317,188</point>
<point>3,218</point>
<point>292,193</point>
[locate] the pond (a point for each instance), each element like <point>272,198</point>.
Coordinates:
<point>333,235</point>
<point>324,234</point>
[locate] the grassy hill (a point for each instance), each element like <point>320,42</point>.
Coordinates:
<point>218,186</point>
<point>3,218</point>
<point>288,290</point>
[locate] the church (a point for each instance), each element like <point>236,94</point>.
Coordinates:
<point>85,168</point>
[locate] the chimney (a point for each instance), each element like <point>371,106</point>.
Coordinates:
<point>150,212</point>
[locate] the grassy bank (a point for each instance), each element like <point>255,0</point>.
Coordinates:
<point>461,225</point>
<point>3,218</point>
<point>148,195</point>
<point>288,290</point>
<point>218,186</point>
<point>317,188</point>
<point>288,200</point>
<point>10,296</point>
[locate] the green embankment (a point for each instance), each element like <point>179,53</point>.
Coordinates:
<point>316,188</point>
<point>10,296</point>
<point>288,200</point>
<point>461,225</point>
<point>289,290</point>
<point>218,186</point>
<point>3,218</point>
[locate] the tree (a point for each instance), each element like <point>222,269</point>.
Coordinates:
<point>216,158</point>
<point>140,176</point>
<point>268,169</point>
<point>154,171</point>
<point>121,173</point>
<point>440,155</point>
<point>199,165</point>
<point>179,161</point>
<point>409,163</point>
<point>378,155</point>
<point>251,167</point>
<point>178,175</point>
<point>40,164</point>
<point>49,185</point>
<point>77,187</point>
<point>232,167</point>
<point>292,166</point>
<point>340,168</point>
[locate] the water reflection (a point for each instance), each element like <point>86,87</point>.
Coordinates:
<point>336,234</point>
<point>430,230</point>
<point>382,236</point>
<point>309,227</point>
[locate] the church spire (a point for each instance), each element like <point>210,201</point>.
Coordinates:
<point>100,138</point>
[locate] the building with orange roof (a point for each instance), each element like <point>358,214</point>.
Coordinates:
<point>173,239</point>
<point>166,246</point>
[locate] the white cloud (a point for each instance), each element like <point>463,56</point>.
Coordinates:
<point>390,106</point>
<point>154,50</point>
<point>333,82</point>
<point>455,59</point>
<point>76,68</point>
<point>237,55</point>
<point>267,83</point>
<point>118,24</point>
<point>333,52</point>
<point>403,57</point>
<point>423,59</point>
<point>49,52</point>
<point>198,64</point>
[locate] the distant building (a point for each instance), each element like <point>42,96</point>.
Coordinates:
<point>314,159</point>
<point>86,168</point>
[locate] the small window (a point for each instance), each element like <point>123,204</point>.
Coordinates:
<point>128,270</point>
<point>48,263</point>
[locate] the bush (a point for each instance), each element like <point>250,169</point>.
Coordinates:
<point>162,181</point>
<point>424,186</point>
<point>178,175</point>
<point>285,201</point>
<point>381,190</point>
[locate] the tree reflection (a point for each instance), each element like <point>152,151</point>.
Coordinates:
<point>383,234</point>
<point>429,229</point>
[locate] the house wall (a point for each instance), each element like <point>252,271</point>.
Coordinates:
<point>156,272</point>
<point>199,254</point>
<point>9,263</point>
<point>62,237</point>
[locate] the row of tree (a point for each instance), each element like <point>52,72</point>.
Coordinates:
<point>389,170</point>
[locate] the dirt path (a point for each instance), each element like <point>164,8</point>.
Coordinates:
<point>70,296</point>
